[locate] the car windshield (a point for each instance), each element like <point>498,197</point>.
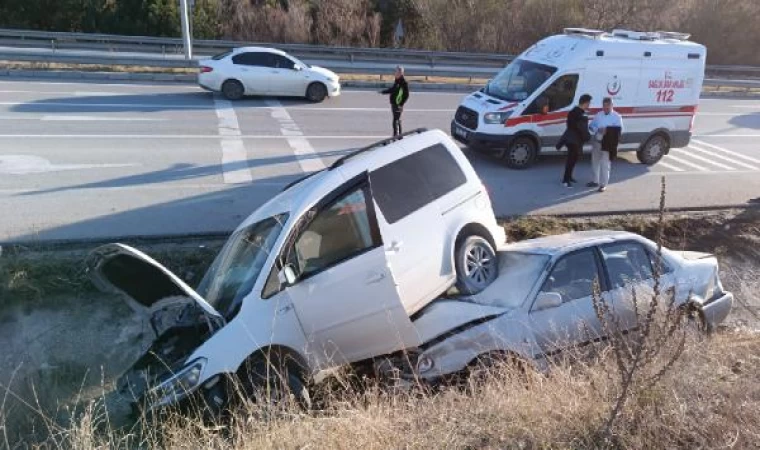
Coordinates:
<point>519,80</point>
<point>236,269</point>
<point>518,274</point>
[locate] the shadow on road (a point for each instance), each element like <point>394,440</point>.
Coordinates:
<point>147,103</point>
<point>184,171</point>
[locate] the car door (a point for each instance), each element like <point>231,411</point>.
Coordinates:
<point>411,222</point>
<point>573,321</point>
<point>549,109</point>
<point>631,280</point>
<point>287,78</point>
<point>251,68</point>
<point>345,295</point>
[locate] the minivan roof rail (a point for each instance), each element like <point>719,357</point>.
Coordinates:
<point>382,143</point>
<point>344,158</point>
<point>677,35</point>
<point>584,32</point>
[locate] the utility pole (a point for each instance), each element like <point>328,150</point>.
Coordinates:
<point>186,38</point>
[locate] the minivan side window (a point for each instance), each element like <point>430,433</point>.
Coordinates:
<point>560,94</point>
<point>339,232</point>
<point>406,185</point>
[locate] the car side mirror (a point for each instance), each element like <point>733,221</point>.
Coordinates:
<point>298,67</point>
<point>547,300</point>
<point>287,275</point>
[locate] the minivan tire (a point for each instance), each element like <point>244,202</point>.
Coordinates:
<point>476,264</point>
<point>233,90</point>
<point>653,149</point>
<point>316,92</point>
<point>521,153</point>
<point>280,381</point>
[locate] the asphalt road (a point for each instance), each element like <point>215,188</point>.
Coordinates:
<point>97,160</point>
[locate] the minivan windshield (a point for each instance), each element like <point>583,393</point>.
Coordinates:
<point>518,274</point>
<point>519,80</point>
<point>236,269</point>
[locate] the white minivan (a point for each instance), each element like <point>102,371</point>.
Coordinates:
<point>330,271</point>
<point>654,79</point>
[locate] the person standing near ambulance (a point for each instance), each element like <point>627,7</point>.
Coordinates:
<point>606,128</point>
<point>576,134</point>
<point>399,94</point>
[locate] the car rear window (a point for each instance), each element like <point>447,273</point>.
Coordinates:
<point>221,56</point>
<point>404,186</point>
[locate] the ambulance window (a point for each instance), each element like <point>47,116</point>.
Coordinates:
<point>558,95</point>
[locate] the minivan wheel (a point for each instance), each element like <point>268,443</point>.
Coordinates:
<point>653,150</point>
<point>476,264</point>
<point>278,384</point>
<point>316,92</point>
<point>233,90</point>
<point>521,153</point>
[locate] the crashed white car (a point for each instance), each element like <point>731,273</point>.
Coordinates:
<point>330,271</point>
<point>541,303</point>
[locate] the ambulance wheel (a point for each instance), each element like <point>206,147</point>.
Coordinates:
<point>521,153</point>
<point>653,149</point>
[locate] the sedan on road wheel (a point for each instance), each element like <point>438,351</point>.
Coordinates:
<point>266,72</point>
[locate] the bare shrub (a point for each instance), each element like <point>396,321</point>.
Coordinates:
<point>346,23</point>
<point>266,22</point>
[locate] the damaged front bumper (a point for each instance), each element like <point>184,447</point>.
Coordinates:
<point>715,311</point>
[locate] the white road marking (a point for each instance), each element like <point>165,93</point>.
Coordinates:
<point>305,154</point>
<point>234,157</point>
<point>686,163</point>
<point>170,106</point>
<point>668,166</point>
<point>728,152</point>
<point>29,164</point>
<point>726,135</point>
<point>678,151</point>
<point>178,136</point>
<point>714,154</point>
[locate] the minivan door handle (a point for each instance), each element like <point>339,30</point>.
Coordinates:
<point>375,278</point>
<point>285,309</point>
<point>395,247</point>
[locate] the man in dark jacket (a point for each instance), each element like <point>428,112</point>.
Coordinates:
<point>575,136</point>
<point>399,94</point>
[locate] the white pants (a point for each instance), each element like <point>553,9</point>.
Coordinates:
<point>600,164</point>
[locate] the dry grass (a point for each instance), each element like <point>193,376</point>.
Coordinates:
<point>710,400</point>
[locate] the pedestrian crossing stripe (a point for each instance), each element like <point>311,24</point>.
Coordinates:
<point>703,157</point>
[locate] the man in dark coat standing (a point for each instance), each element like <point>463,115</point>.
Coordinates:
<point>399,94</point>
<point>576,134</point>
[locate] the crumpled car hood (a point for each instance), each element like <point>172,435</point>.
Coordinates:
<point>122,269</point>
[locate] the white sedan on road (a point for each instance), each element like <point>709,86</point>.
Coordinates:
<point>266,71</point>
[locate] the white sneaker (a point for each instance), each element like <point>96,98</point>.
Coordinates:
<point>567,185</point>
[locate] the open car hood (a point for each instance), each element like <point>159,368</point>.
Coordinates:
<point>122,269</point>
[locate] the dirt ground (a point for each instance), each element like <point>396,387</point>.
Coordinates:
<point>64,342</point>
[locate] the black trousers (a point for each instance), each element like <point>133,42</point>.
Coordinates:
<point>573,154</point>
<point>396,110</point>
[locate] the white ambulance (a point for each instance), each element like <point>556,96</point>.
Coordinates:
<point>654,79</point>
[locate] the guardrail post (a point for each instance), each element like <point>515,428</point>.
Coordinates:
<point>52,44</point>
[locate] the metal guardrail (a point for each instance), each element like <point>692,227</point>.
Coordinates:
<point>106,49</point>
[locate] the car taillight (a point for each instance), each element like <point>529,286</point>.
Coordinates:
<point>206,69</point>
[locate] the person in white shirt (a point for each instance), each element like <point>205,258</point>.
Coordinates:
<point>601,164</point>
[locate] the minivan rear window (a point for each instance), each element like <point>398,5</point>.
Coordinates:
<point>404,186</point>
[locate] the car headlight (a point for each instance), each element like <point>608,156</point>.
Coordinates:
<point>179,385</point>
<point>496,117</point>
<point>424,364</point>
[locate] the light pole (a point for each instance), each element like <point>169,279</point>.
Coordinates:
<point>185,20</point>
